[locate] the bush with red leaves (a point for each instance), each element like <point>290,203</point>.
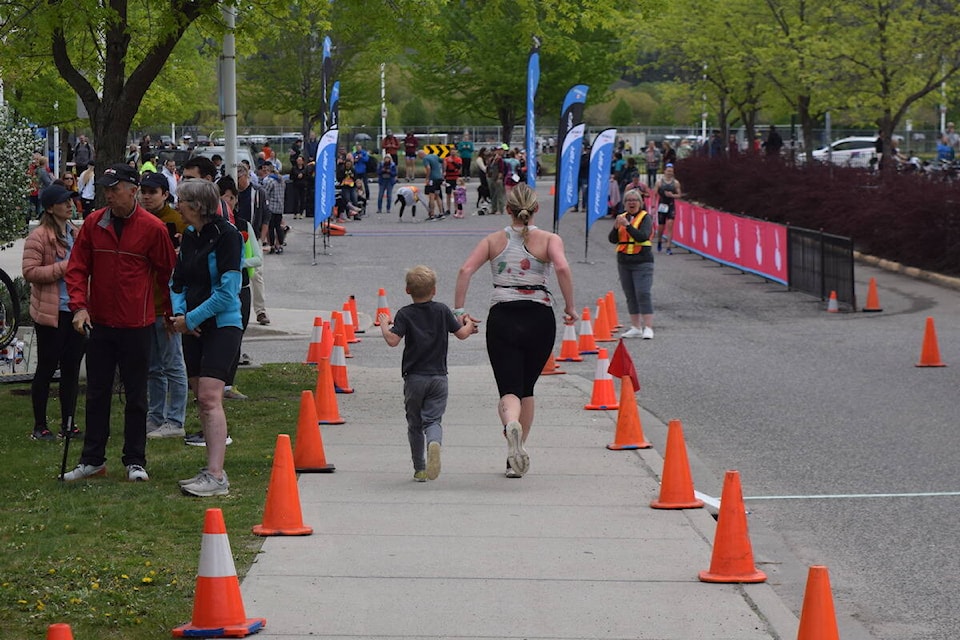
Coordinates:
<point>908,218</point>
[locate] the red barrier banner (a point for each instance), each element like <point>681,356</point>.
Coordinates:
<point>745,243</point>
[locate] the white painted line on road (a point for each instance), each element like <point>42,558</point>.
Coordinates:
<point>843,496</point>
<point>708,500</point>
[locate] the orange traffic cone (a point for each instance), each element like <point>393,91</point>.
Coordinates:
<point>354,315</point>
<point>338,367</point>
<point>930,352</point>
<point>314,350</point>
<point>339,330</point>
<point>832,306</point>
<point>282,515</point>
<point>332,229</point>
<point>59,631</point>
<point>629,430</point>
<point>381,307</point>
<point>818,620</point>
<point>604,395</point>
<point>326,343</point>
<point>732,555</point>
<point>217,602</point>
<point>873,300</point>
<point>676,483</point>
<point>587,343</point>
<point>612,318</point>
<point>348,325</point>
<point>601,326</point>
<point>569,351</point>
<point>308,456</point>
<point>553,190</point>
<point>326,395</point>
<point>551,368</point>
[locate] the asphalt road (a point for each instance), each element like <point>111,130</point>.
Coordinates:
<point>846,450</point>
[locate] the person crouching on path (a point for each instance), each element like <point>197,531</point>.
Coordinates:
<point>206,306</point>
<point>521,328</point>
<point>424,326</point>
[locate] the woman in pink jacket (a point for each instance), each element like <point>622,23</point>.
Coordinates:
<point>45,255</point>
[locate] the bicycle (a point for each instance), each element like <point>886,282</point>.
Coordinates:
<point>9,311</point>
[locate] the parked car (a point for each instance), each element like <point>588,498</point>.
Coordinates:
<point>243,153</point>
<point>855,151</point>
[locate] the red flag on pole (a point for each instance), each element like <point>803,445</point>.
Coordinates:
<point>621,365</point>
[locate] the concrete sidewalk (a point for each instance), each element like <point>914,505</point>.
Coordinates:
<point>571,550</point>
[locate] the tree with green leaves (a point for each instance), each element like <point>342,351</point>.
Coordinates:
<point>17,144</point>
<point>479,66</point>
<point>283,72</point>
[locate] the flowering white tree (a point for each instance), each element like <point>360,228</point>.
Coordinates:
<point>17,145</point>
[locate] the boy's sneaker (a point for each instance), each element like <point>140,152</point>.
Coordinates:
<point>136,473</point>
<point>517,457</point>
<point>420,476</point>
<point>42,433</point>
<point>73,432</point>
<point>206,486</point>
<point>82,471</point>
<point>167,430</point>
<point>433,460</point>
<point>197,439</point>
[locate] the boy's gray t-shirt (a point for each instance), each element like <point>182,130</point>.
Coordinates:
<point>425,326</point>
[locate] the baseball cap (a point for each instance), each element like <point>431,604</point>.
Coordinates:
<point>505,146</point>
<point>119,173</point>
<point>155,181</point>
<point>54,194</point>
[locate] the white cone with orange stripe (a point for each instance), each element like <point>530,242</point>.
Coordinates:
<point>382,307</point>
<point>604,393</point>
<point>569,351</point>
<point>338,366</point>
<point>217,603</point>
<point>587,343</point>
<point>348,325</point>
<point>315,348</point>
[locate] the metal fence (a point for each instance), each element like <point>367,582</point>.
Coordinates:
<point>819,263</point>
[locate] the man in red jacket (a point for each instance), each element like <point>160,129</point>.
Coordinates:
<point>120,254</point>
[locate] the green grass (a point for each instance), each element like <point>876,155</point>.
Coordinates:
<point>116,559</point>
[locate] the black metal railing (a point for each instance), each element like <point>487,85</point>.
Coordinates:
<point>819,263</point>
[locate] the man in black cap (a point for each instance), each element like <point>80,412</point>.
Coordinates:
<point>121,256</point>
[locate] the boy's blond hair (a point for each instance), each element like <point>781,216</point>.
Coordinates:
<point>421,282</point>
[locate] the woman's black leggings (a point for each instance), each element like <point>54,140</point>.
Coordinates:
<point>57,347</point>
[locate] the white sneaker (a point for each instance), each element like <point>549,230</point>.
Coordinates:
<point>207,486</point>
<point>167,430</point>
<point>647,333</point>
<point>517,457</point>
<point>136,473</point>
<point>632,332</point>
<point>85,471</point>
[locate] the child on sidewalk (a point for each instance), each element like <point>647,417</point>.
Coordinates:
<point>425,325</point>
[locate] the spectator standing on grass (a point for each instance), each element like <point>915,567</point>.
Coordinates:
<point>252,208</point>
<point>46,252</point>
<point>121,256</point>
<point>206,309</point>
<point>167,376</point>
<point>251,259</point>
<point>521,328</point>
<point>424,326</point>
